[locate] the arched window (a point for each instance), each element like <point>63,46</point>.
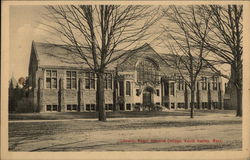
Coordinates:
<point>147,71</point>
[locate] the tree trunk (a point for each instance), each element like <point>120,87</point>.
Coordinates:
<point>192,104</point>
<point>100,100</point>
<point>239,102</point>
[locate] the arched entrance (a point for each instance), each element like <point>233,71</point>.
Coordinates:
<point>148,96</point>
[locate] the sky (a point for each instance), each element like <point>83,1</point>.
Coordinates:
<point>25,26</point>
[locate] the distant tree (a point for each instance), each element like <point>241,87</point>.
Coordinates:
<point>103,30</point>
<point>184,24</point>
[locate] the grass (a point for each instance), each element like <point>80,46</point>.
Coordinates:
<point>92,135</point>
<point>94,115</point>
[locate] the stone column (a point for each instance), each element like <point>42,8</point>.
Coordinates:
<point>40,98</point>
<point>80,96</point>
<point>209,95</point>
<point>61,96</point>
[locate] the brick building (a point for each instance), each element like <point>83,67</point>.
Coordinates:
<point>62,82</point>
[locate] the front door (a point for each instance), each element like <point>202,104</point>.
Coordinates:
<point>147,97</point>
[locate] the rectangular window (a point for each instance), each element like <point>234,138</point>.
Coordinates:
<point>89,80</point>
<point>166,87</point>
<point>108,81</point>
<point>88,107</point>
<point>74,107</point>
<point>180,105</point>
<point>215,82</point>
<point>157,92</point>
<point>137,92</point>
<point>93,107</point>
<point>71,79</point>
<point>121,88</point>
<point>204,83</point>
<point>172,88</point>
<point>128,88</point>
<point>180,82</point>
<point>128,106</point>
<point>48,108</point>
<point>172,105</point>
<point>51,79</point>
<point>54,107</point>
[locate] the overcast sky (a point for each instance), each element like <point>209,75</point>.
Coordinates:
<point>25,26</point>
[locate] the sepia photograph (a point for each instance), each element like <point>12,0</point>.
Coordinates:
<point>130,78</point>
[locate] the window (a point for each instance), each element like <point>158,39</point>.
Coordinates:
<point>71,79</point>
<point>51,79</point>
<point>48,108</point>
<point>51,108</point>
<point>93,107</point>
<point>128,106</point>
<point>89,80</point>
<point>204,105</point>
<point>72,107</point>
<point>54,108</point>
<point>180,82</point>
<point>108,81</point>
<point>109,107</point>
<point>157,92</point>
<point>166,88</point>
<point>88,107</point>
<point>204,83</point>
<point>128,88</point>
<point>158,103</point>
<point>137,92</point>
<point>147,71</point>
<point>180,105</point>
<point>215,82</point>
<point>121,88</point>
<point>172,88</point>
<point>172,105</point>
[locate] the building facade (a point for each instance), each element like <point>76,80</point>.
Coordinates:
<point>62,83</point>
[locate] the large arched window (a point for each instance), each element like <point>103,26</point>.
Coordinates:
<point>147,71</point>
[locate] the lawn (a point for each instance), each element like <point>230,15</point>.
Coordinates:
<point>166,131</point>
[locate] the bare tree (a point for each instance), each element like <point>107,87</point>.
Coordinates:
<point>104,30</point>
<point>186,25</point>
<point>225,43</point>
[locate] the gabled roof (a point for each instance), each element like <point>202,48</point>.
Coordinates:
<point>55,55</point>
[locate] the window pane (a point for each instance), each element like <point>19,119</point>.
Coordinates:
<point>73,83</point>
<point>54,83</point>
<point>109,83</point>
<point>48,82</point>
<point>87,83</point>
<point>68,107</point>
<point>92,84</point>
<point>68,74</point>
<point>54,74</point>
<point>128,88</point>
<point>48,73</point>
<point>74,107</point>
<point>88,107</point>
<point>93,107</point>
<point>68,83</point>
<point>73,74</point>
<point>54,107</point>
<point>48,107</point>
